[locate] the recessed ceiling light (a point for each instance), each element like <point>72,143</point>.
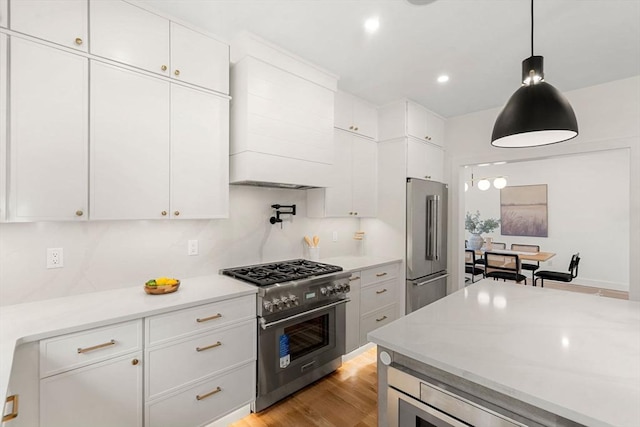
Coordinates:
<point>483,164</point>
<point>443,78</point>
<point>372,24</point>
<point>500,163</point>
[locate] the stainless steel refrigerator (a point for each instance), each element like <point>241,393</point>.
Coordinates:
<point>426,243</point>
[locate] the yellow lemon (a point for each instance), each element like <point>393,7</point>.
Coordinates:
<point>161,281</point>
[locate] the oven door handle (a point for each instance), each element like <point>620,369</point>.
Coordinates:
<point>266,325</point>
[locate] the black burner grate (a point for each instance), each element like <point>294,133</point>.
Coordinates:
<point>279,272</point>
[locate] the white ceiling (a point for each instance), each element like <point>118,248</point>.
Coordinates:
<point>479,43</point>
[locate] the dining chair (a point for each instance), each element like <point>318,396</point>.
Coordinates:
<point>499,245</point>
<point>560,276</point>
<point>470,266</point>
<point>527,248</point>
<point>503,266</point>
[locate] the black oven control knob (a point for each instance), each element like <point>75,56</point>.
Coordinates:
<point>340,288</point>
<point>286,301</point>
<point>294,300</point>
<point>278,304</point>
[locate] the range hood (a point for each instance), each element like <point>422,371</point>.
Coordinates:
<point>281,124</point>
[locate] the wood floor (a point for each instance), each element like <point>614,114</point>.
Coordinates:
<point>346,398</point>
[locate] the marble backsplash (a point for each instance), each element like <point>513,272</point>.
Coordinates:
<point>101,255</point>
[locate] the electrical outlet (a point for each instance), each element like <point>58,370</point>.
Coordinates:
<point>192,247</point>
<point>55,258</point>
<point>335,236</point>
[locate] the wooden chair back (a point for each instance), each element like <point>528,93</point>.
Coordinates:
<point>502,262</point>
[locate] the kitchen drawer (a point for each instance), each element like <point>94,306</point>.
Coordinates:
<point>375,320</point>
<point>236,389</point>
<point>181,363</point>
<point>378,274</point>
<point>377,296</point>
<point>72,351</point>
<point>183,323</point>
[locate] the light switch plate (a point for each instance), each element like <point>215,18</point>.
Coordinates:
<point>192,247</point>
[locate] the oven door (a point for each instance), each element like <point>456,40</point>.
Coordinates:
<point>299,346</point>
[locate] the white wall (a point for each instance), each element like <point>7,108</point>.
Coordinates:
<point>608,119</point>
<point>588,211</point>
<point>105,255</point>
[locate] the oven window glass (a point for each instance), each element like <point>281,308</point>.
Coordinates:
<point>308,336</point>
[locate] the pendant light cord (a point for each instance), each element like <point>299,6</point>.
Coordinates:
<point>531,27</point>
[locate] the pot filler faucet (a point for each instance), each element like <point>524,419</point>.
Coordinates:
<point>275,219</point>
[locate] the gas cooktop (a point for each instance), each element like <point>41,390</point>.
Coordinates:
<point>279,272</point>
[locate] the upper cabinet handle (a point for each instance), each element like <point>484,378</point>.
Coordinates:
<point>79,213</point>
<point>78,41</point>
<point>176,72</point>
<point>163,68</point>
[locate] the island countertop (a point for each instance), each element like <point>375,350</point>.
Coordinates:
<point>574,355</point>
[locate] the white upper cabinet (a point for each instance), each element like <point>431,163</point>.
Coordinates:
<point>355,115</point>
<point>199,154</point>
<point>59,21</point>
<point>129,144</point>
<point>4,12</point>
<point>126,33</point>
<point>424,161</point>
<point>353,188</point>
<point>424,125</point>
<point>48,133</point>
<point>198,59</point>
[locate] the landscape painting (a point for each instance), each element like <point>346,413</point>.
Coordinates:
<point>523,211</point>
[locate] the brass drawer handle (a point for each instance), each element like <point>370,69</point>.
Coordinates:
<point>134,362</point>
<point>211,393</point>
<point>381,319</point>
<point>163,213</point>
<point>218,344</point>
<point>79,213</point>
<point>351,279</point>
<point>381,292</point>
<point>78,41</point>
<point>381,274</point>
<point>96,347</point>
<point>176,213</point>
<point>163,68</point>
<point>13,399</point>
<point>205,319</point>
<point>176,72</point>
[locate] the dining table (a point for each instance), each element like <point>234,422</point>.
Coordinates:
<point>524,256</point>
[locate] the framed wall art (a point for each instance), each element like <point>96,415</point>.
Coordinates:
<point>523,211</point>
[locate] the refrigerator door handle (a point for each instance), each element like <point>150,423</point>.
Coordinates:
<point>436,226</point>
<point>432,252</point>
<point>426,282</point>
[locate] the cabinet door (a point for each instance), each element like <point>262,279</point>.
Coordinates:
<point>416,121</point>
<point>59,21</point>
<point>435,129</point>
<point>106,394</point>
<point>4,11</point>
<point>198,59</point>
<point>364,177</point>
<point>4,99</point>
<point>424,161</point>
<point>126,33</point>
<point>48,138</point>
<point>23,384</point>
<point>338,197</point>
<point>130,144</point>
<point>343,111</point>
<point>365,117</point>
<point>199,154</point>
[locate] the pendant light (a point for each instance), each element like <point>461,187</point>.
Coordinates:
<point>537,113</point>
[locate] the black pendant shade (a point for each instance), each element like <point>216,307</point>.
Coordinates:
<point>537,113</point>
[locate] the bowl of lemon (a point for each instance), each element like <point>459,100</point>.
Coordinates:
<point>161,285</point>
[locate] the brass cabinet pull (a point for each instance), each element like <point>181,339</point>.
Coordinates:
<point>96,347</point>
<point>381,319</point>
<point>428,176</point>
<point>350,213</point>
<point>355,213</point>
<point>176,213</point>
<point>381,292</point>
<point>355,128</point>
<point>176,72</point>
<point>351,279</point>
<point>218,344</point>
<point>205,319</point>
<point>164,213</point>
<point>351,127</point>
<point>163,68</point>
<point>78,41</point>
<point>13,399</point>
<point>381,274</point>
<point>134,362</point>
<point>211,393</point>
<point>79,213</point>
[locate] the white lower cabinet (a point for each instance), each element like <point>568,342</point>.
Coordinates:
<point>92,377</point>
<point>374,302</point>
<point>200,363</point>
<point>21,407</point>
<point>105,394</point>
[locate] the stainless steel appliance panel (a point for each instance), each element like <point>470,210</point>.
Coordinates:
<point>425,291</point>
<point>426,228</point>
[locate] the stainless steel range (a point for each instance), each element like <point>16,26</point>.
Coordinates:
<point>301,316</point>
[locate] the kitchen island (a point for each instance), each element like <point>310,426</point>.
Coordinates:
<point>548,357</point>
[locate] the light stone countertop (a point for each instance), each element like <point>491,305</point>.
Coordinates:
<point>355,263</point>
<point>575,355</point>
<point>34,321</point>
